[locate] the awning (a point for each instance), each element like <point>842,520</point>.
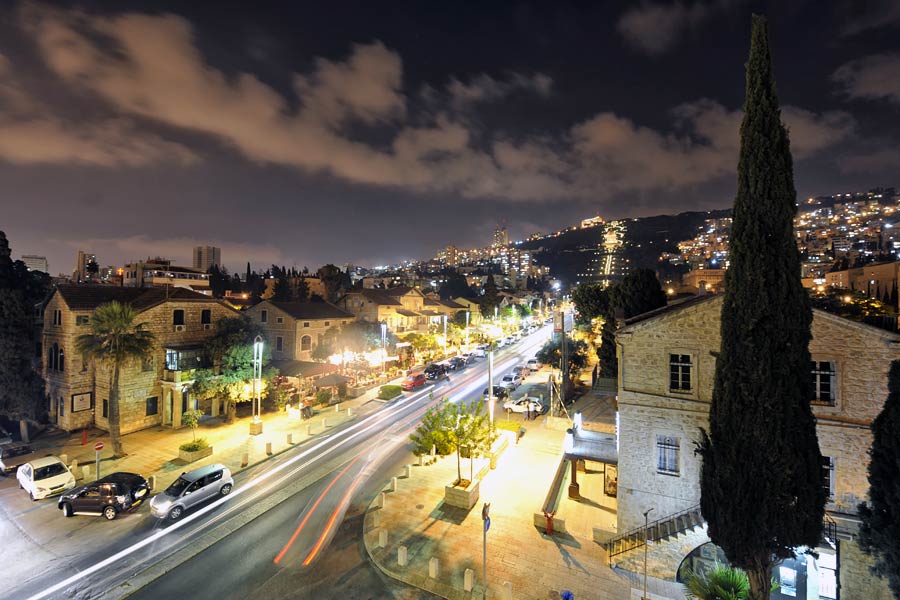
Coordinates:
<point>303,368</point>
<point>407,313</point>
<point>331,380</point>
<point>596,446</point>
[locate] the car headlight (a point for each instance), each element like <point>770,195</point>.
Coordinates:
<point>161,504</point>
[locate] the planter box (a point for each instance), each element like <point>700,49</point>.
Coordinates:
<point>196,455</point>
<point>462,497</point>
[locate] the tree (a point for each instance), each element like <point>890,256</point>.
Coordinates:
<point>114,340</point>
<point>879,535</point>
<point>490,299</point>
<point>230,352</point>
<point>301,292</point>
<point>638,293</point>
<point>432,432</point>
<point>591,301</point>
<point>609,364</point>
<point>191,418</point>
<point>551,353</point>
<point>21,386</point>
<point>335,281</point>
<point>455,285</point>
<point>282,291</point>
<point>759,510</point>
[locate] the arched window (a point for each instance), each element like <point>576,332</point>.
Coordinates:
<point>55,358</point>
<point>62,360</point>
<point>50,355</point>
<point>305,343</point>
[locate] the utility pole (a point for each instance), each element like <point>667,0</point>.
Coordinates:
<point>486,517</point>
<point>647,512</point>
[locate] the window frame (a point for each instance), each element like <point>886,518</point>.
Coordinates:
<point>279,320</point>
<point>307,347</point>
<point>829,470</point>
<point>178,317</point>
<point>279,343</point>
<point>147,405</point>
<point>679,370</point>
<point>263,316</point>
<point>818,382</point>
<point>206,316</point>
<point>667,447</point>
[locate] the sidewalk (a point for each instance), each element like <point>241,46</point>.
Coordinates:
<point>537,565</point>
<point>154,451</point>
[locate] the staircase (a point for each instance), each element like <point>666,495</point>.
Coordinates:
<point>660,530</point>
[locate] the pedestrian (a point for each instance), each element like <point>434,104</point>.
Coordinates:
<point>527,411</point>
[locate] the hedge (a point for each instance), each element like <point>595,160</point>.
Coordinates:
<point>386,392</point>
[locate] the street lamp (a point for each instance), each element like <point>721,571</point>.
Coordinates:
<point>491,387</point>
<point>445,336</point>
<point>256,423</point>
<point>383,345</point>
<point>646,512</point>
<point>468,313</point>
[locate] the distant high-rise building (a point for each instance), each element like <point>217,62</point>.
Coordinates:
<point>449,256</point>
<point>36,263</point>
<point>82,260</point>
<point>206,256</point>
<point>501,237</point>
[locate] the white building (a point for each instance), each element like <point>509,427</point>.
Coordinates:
<point>206,256</point>
<point>36,263</point>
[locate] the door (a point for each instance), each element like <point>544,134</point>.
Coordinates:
<point>211,485</point>
<point>193,495</point>
<point>89,501</point>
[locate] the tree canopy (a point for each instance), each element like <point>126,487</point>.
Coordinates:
<point>639,292</point>
<point>591,300</point>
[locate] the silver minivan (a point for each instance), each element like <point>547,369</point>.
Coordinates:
<point>191,489</point>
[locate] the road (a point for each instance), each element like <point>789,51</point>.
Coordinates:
<point>291,528</point>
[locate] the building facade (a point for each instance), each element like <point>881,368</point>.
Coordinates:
<point>36,263</point>
<point>295,329</point>
<point>153,391</point>
<point>82,260</point>
<point>161,272</point>
<point>666,373</point>
<point>205,257</point>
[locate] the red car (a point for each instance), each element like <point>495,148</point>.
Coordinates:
<point>413,381</point>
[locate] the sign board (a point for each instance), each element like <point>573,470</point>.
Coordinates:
<point>98,446</point>
<point>561,319</point>
<point>82,401</point>
<point>487,524</point>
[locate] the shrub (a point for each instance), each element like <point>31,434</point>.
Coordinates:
<point>387,392</point>
<point>194,445</point>
<point>323,396</point>
<point>342,390</point>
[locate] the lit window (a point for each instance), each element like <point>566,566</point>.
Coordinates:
<point>823,376</point>
<point>667,450</point>
<point>679,372</point>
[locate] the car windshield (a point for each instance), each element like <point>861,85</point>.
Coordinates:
<point>177,487</point>
<point>49,471</point>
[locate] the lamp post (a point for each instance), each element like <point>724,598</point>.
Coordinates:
<point>256,423</point>
<point>467,329</point>
<point>646,512</point>
<point>383,346</point>
<point>445,335</point>
<point>491,387</point>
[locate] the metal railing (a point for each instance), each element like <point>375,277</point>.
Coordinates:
<point>682,521</point>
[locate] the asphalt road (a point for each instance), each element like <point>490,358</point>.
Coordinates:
<point>292,527</point>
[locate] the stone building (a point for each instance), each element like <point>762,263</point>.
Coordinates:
<point>403,308</point>
<point>153,391</point>
<point>666,372</point>
<point>295,329</point>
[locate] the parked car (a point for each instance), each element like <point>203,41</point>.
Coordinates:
<point>413,381</point>
<point>500,393</point>
<point>520,370</point>
<point>468,357</point>
<point>523,404</point>
<point>511,381</point>
<point>457,363</point>
<point>5,437</point>
<point>44,477</point>
<point>509,340</point>
<point>435,371</point>
<point>13,455</point>
<point>191,489</point>
<point>480,351</point>
<point>533,365</point>
<point>106,497</point>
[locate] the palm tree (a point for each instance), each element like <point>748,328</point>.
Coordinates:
<point>114,339</point>
<point>722,582</point>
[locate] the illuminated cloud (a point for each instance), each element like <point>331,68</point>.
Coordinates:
<point>653,28</point>
<point>875,77</point>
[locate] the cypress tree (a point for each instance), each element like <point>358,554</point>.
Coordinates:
<point>879,534</point>
<point>609,365</point>
<point>761,481</point>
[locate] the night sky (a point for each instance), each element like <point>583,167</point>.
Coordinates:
<point>305,133</point>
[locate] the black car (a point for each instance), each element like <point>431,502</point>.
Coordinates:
<point>106,497</point>
<point>458,362</point>
<point>500,392</point>
<point>435,371</point>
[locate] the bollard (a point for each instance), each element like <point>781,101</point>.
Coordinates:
<point>434,569</point>
<point>433,450</point>
<point>421,460</point>
<point>269,448</point>
<point>290,438</point>
<point>309,430</point>
<point>324,423</point>
<point>151,482</point>
<point>86,469</point>
<point>245,459</point>
<point>337,407</point>
<point>468,580</point>
<point>63,458</point>
<point>349,412</point>
<point>382,538</point>
<point>382,499</point>
<point>407,471</point>
<point>393,484</point>
<point>507,590</point>
<point>401,556</point>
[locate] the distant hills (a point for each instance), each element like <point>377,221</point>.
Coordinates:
<point>571,252</point>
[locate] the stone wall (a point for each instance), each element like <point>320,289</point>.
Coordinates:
<point>77,378</point>
<point>855,578</point>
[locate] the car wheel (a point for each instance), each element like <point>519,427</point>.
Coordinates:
<point>31,495</point>
<point>67,510</point>
<point>175,513</point>
<point>109,513</point>
<point>226,489</point>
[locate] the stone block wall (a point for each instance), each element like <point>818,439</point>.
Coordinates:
<point>856,579</point>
